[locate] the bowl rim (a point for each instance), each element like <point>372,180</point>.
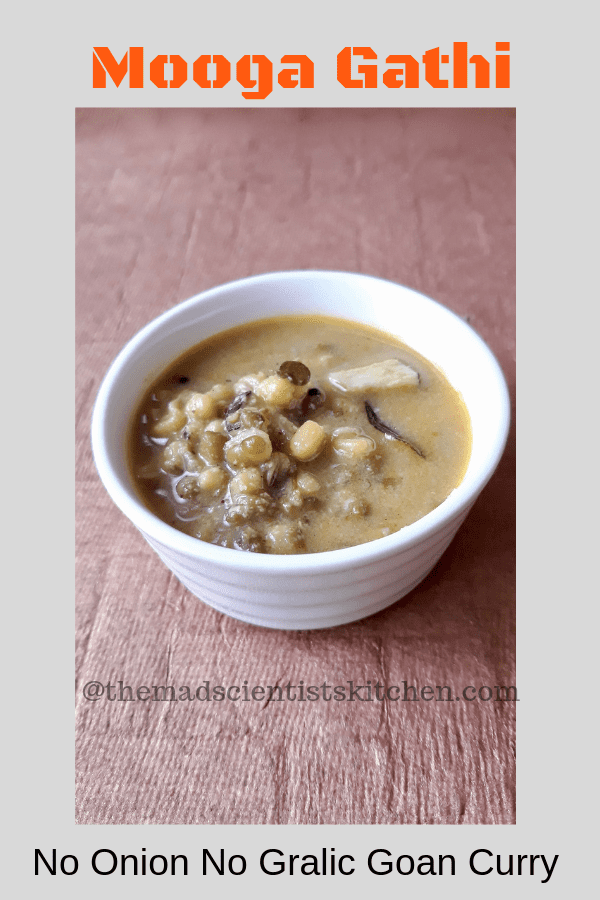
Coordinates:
<point>154,529</point>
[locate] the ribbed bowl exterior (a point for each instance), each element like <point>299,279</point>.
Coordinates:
<point>306,601</point>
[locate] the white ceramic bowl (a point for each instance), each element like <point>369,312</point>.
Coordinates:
<point>316,590</point>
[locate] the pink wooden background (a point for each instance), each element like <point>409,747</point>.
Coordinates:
<point>170,202</point>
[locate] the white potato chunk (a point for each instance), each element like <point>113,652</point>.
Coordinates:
<point>387,374</point>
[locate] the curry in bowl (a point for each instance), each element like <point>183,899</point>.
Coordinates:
<point>298,434</point>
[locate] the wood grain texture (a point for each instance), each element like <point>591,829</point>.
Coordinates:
<point>171,202</point>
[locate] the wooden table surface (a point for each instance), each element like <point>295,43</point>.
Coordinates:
<point>169,203</point>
